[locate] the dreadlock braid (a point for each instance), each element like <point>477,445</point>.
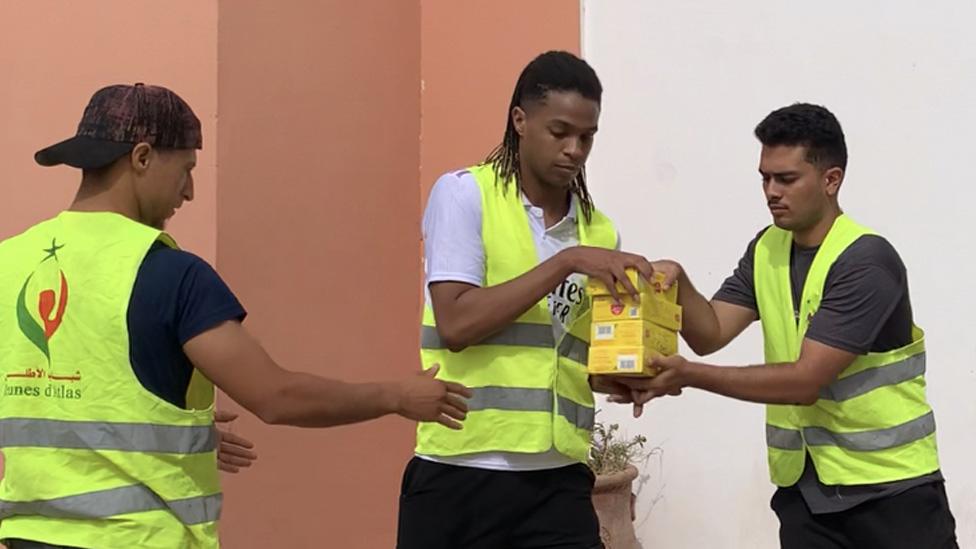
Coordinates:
<point>551,71</point>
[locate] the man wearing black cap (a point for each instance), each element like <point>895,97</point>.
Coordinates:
<point>111,340</point>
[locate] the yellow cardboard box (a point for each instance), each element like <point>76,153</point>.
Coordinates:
<point>623,346</point>
<point>621,360</point>
<point>595,287</point>
<point>633,333</point>
<point>651,308</point>
<point>623,333</point>
<point>662,340</point>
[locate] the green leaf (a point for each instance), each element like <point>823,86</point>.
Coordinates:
<point>29,326</point>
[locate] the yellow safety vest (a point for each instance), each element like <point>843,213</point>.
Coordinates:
<point>872,424</point>
<point>531,392</point>
<point>93,459</point>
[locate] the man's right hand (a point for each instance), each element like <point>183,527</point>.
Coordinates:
<point>672,271</point>
<point>609,266</point>
<point>424,398</point>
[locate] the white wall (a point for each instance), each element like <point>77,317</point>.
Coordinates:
<point>675,166</point>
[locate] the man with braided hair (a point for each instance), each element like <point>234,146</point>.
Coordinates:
<point>509,244</point>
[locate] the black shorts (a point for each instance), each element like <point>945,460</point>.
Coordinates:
<point>451,507</point>
<point>25,544</point>
<point>918,518</point>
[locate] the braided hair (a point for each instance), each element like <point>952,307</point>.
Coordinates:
<point>552,71</point>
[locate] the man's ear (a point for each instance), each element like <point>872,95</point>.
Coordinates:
<point>141,157</point>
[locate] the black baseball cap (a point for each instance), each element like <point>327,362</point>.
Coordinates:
<point>118,118</point>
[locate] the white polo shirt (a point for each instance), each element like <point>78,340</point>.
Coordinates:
<point>454,252</point>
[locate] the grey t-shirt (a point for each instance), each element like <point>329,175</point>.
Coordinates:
<point>865,308</point>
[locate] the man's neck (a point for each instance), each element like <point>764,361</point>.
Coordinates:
<point>815,235</point>
<point>554,201</point>
<point>99,196</point>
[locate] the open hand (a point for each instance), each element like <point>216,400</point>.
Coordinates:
<point>424,398</point>
<point>233,451</point>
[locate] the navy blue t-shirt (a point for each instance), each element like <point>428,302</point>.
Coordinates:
<point>176,297</point>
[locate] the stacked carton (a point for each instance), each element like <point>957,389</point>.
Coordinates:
<point>625,334</point>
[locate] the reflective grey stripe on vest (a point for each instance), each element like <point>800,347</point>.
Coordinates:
<point>873,378</point>
<point>521,399</point>
<point>577,414</point>
<point>516,399</point>
<point>867,441</point>
<point>574,349</point>
<point>98,435</point>
<point>511,398</point>
<point>783,439</point>
<point>521,335</point>
<point>116,501</point>
<point>861,441</point>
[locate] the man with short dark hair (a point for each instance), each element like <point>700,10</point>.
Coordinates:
<point>111,342</point>
<point>850,434</point>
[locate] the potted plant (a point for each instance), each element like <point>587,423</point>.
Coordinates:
<point>612,461</point>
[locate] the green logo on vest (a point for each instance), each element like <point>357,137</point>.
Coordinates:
<point>51,303</point>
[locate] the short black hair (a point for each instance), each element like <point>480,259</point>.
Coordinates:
<point>559,71</point>
<point>810,126</point>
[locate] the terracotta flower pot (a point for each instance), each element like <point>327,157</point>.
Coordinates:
<point>613,501</point>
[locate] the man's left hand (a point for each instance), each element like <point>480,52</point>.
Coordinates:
<point>670,380</point>
<point>233,451</point>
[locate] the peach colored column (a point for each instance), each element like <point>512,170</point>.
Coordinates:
<point>319,218</point>
<point>318,235</point>
<point>471,55</point>
<point>54,54</point>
